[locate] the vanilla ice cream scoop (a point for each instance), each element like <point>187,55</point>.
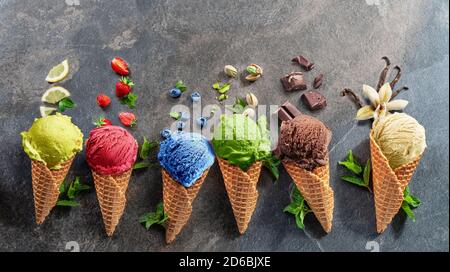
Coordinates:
<point>400,137</point>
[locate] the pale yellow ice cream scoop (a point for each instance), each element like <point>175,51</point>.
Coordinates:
<point>400,137</point>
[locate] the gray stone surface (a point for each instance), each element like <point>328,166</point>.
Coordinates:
<point>192,40</point>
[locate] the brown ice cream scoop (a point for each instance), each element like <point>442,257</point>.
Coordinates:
<point>305,140</point>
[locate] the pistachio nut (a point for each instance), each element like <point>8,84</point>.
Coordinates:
<point>230,70</point>
<point>249,113</point>
<point>254,69</point>
<point>251,99</point>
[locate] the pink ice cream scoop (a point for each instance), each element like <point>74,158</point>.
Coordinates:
<point>111,150</point>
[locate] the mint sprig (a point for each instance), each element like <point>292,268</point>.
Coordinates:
<point>409,203</point>
<point>298,207</point>
<point>238,106</point>
<point>158,217</point>
<point>66,103</point>
<point>145,150</point>
<point>180,85</point>
<point>361,175</point>
<point>271,163</point>
<point>129,100</point>
<point>69,191</point>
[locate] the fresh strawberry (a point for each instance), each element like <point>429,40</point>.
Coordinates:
<point>120,66</point>
<point>128,119</point>
<point>123,87</point>
<point>102,121</point>
<point>103,100</point>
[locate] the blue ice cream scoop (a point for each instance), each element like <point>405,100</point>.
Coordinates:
<point>185,156</point>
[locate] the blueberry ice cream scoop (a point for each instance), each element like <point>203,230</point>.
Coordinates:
<point>185,156</point>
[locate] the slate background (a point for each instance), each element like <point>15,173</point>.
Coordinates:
<point>192,40</point>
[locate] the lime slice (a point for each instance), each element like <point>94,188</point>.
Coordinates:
<point>55,94</point>
<point>46,111</point>
<point>59,72</point>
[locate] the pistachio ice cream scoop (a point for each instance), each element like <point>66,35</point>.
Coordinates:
<point>52,140</point>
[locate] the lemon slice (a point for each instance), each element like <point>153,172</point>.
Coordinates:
<point>46,111</point>
<point>55,94</point>
<point>58,72</point>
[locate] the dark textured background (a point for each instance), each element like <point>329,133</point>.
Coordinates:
<point>192,40</point>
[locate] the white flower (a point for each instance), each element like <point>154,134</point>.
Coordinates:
<point>380,104</point>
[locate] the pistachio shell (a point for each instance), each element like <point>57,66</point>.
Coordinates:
<point>365,113</point>
<point>249,112</point>
<point>371,94</point>
<point>398,104</point>
<point>251,99</point>
<point>385,93</point>
<point>230,70</point>
<point>252,77</point>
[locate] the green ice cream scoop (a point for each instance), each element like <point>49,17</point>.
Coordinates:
<point>241,141</point>
<point>52,140</point>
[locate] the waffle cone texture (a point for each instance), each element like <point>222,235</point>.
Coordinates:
<point>111,190</point>
<point>315,188</point>
<point>241,190</point>
<point>178,201</point>
<point>388,185</point>
<point>46,183</point>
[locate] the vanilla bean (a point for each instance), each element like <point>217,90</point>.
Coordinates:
<point>354,96</point>
<point>397,77</point>
<point>404,88</point>
<point>383,74</point>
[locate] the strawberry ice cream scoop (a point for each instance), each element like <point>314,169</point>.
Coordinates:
<point>111,150</point>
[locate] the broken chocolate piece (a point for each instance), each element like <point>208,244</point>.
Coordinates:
<point>287,111</point>
<point>318,80</point>
<point>294,82</point>
<point>306,64</point>
<point>314,100</point>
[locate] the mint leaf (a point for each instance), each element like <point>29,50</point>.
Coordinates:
<point>298,208</point>
<point>354,167</point>
<point>129,100</point>
<point>407,209</point>
<point>140,165</point>
<point>145,149</point>
<point>180,85</point>
<point>354,180</point>
<point>158,217</point>
<point>175,115</point>
<point>366,174</point>
<point>62,187</point>
<point>272,163</point>
<point>413,201</point>
<point>66,103</point>
<point>67,203</point>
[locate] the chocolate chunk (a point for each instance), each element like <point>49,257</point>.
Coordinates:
<point>287,111</point>
<point>294,82</point>
<point>306,64</point>
<point>314,100</point>
<point>318,80</point>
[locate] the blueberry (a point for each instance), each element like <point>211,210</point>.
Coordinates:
<point>180,125</point>
<point>195,96</point>
<point>165,133</point>
<point>202,121</point>
<point>175,93</point>
<point>185,116</point>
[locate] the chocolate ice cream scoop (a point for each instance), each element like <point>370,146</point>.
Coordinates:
<point>305,140</point>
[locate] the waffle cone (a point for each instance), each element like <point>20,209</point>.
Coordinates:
<point>315,188</point>
<point>241,190</point>
<point>178,203</point>
<point>388,185</point>
<point>111,191</point>
<point>46,183</point>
